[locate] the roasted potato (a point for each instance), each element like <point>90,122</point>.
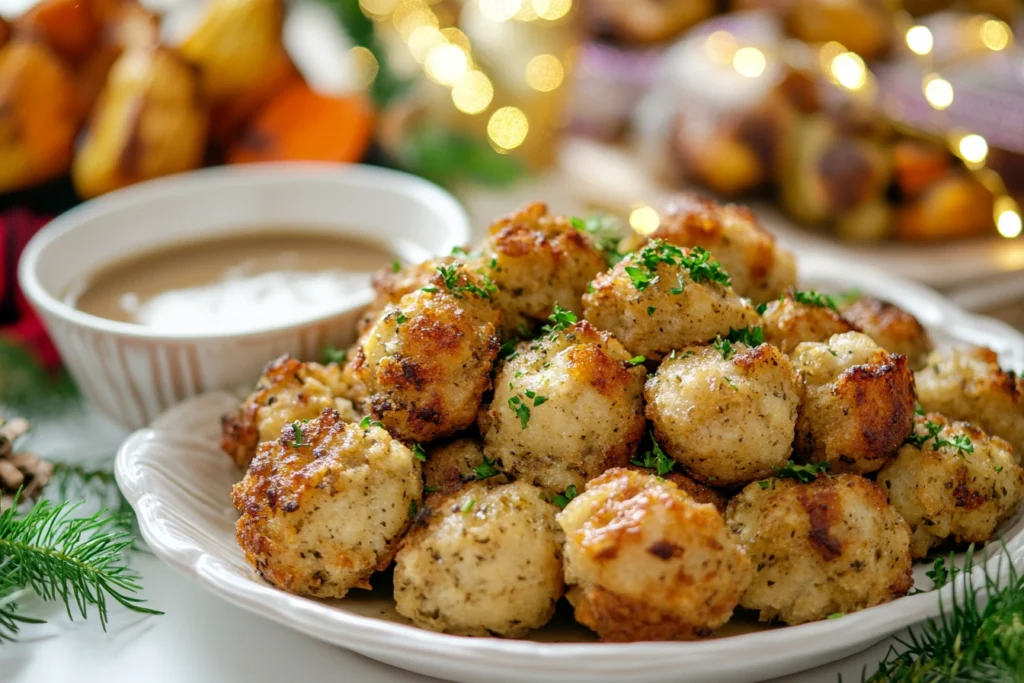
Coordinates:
<point>537,260</point>
<point>951,481</point>
<point>451,464</point>
<point>955,207</point>
<point>324,506</point>
<point>71,28</point>
<point>288,391</point>
<point>39,115</point>
<point>486,560</point>
<point>969,385</point>
<point>425,364</point>
<point>565,408</point>
<point>149,121</point>
<point>863,26</point>
<point>834,545</point>
<point>858,403</point>
<point>644,561</point>
<point>664,297</point>
<point>726,413</point>
<point>801,316</point>
<point>758,267</point>
<point>891,327</point>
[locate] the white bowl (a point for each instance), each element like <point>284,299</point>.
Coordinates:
<point>177,479</point>
<point>133,373</point>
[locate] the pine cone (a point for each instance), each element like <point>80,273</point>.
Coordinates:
<point>22,470</point>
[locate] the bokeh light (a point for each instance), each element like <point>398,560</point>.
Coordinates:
<point>500,10</point>
<point>849,70</point>
<point>720,47</point>
<point>973,148</point>
<point>424,39</point>
<point>938,91</point>
<point>366,66</point>
<point>507,128</point>
<point>551,9</point>
<point>995,34</point>
<point>1009,224</point>
<point>457,37</point>
<point>644,220</point>
<point>472,93</point>
<point>446,64</point>
<point>411,15</point>
<point>749,62</point>
<point>544,73</point>
<point>920,40</point>
<point>378,7</point>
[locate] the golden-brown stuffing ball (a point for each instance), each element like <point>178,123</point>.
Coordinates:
<point>951,481</point>
<point>759,268</point>
<point>664,297</point>
<point>727,412</point>
<point>969,385</point>
<point>324,506</point>
<point>289,390</point>
<point>644,561</point>
<point>834,545</point>
<point>389,286</point>
<point>486,560</point>
<point>802,317</point>
<point>891,327</point>
<point>566,408</point>
<point>858,403</point>
<point>425,363</point>
<point>536,261</point>
<point>451,464</point>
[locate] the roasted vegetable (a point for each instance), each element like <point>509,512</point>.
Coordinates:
<point>955,207</point>
<point>863,26</point>
<point>150,121</point>
<point>917,165</point>
<point>69,27</point>
<point>39,115</point>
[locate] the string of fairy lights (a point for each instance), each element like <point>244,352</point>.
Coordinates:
<point>445,54</point>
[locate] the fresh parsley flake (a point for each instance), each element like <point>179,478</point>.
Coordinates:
<point>679,289</point>
<point>458,251</point>
<point>400,318</point>
<point>396,266</point>
<point>651,310</point>
<point>751,336</point>
<point>636,360</point>
<point>520,409</point>
<point>999,469</point>
<point>419,453</point>
<point>805,474</point>
<point>942,573</point>
<point>728,380</point>
<point>450,276</point>
<point>507,351</point>
<point>641,279</point>
<point>764,483</point>
<point>814,298</point>
<point>563,499</point>
<point>655,459</point>
<point>559,320</point>
<point>837,615</point>
<point>468,506</point>
<point>334,355</point>
<point>918,410</point>
<point>297,434</point>
<point>429,288</point>
<point>431,489</point>
<point>486,469</point>
<point>848,297</point>
<point>960,444</point>
<point>368,422</point>
<point>761,308</point>
<point>724,347</point>
<point>414,509</point>
<point>606,234</point>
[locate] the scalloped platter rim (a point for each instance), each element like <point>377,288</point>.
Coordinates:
<point>178,482</point>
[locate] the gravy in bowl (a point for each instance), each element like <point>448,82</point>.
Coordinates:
<point>232,283</point>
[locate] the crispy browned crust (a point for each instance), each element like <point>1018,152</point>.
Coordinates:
<point>877,413</point>
<point>619,619</point>
<point>702,493</point>
<point>389,287</point>
<point>787,323</point>
<point>891,327</point>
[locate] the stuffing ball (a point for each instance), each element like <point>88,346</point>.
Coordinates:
<point>760,270</point>
<point>858,403</point>
<point>324,505</point>
<point>390,286</point>
<point>451,464</point>
<point>700,493</point>
<point>485,561</point>
<point>537,260</point>
<point>727,412</point>
<point>951,481</point>
<point>797,317</point>
<point>664,297</point>
<point>968,385</point>
<point>891,327</point>
<point>644,561</point>
<point>833,545</point>
<point>566,408</point>
<point>425,363</point>
<point>289,390</point>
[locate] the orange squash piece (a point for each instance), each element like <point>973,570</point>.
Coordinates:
<point>69,27</point>
<point>302,125</point>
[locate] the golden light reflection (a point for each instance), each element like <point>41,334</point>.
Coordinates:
<point>849,70</point>
<point>749,62</point>
<point>446,64</point>
<point>644,220</point>
<point>544,73</point>
<point>411,15</point>
<point>1009,224</point>
<point>499,10</point>
<point>720,47</point>
<point>422,40</point>
<point>472,93</point>
<point>551,9</point>
<point>973,148</point>
<point>457,37</point>
<point>507,128</point>
<point>378,7</point>
<point>366,66</point>
<point>828,52</point>
<point>938,91</point>
<point>920,40</point>
<point>995,34</point>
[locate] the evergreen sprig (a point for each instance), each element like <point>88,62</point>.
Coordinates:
<point>63,557</point>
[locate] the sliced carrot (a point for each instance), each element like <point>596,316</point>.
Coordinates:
<point>301,125</point>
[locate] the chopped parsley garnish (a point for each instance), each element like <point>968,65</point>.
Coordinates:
<point>848,297</point>
<point>918,410</point>
<point>728,380</point>
<point>560,319</point>
<point>751,336</point>
<point>942,573</point>
<point>486,469</point>
<point>414,509</point>
<point>605,233</point>
<point>458,251</point>
<point>655,459</point>
<point>702,268</point>
<point>724,347</point>
<point>429,288</point>
<point>419,453</point>
<point>520,409</point>
<point>396,266</point>
<point>507,350</point>
<point>999,469</point>
<point>563,499</point>
<point>814,298</point>
<point>431,489</point>
<point>837,615</point>
<point>368,422</point>
<point>678,289</point>
<point>335,355</point>
<point>761,308</point>
<point>805,474</point>
<point>636,360</point>
<point>697,261</point>
<point>961,444</point>
<point>537,400</point>
<point>400,318</point>
<point>764,483</point>
<point>297,434</point>
<point>450,276</point>
<point>468,505</point>
<point>651,310</point>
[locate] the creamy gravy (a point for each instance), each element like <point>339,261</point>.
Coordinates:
<point>232,283</point>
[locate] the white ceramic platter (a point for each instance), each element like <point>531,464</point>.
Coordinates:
<point>178,481</point>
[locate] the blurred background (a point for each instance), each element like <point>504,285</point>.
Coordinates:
<point>889,131</point>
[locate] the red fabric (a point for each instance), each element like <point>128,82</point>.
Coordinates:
<point>19,322</point>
